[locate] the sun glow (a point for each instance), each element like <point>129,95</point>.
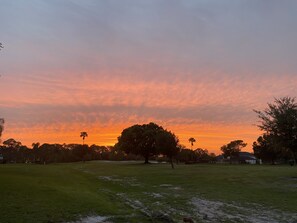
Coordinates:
<point>210,137</point>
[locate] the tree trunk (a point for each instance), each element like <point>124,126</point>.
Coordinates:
<point>272,161</point>
<point>294,158</point>
<point>146,161</point>
<point>172,165</point>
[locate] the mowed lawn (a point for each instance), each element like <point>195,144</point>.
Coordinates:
<point>133,192</point>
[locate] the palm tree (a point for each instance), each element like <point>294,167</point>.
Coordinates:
<point>192,140</point>
<point>83,135</point>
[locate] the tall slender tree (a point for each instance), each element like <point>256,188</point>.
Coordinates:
<point>83,135</point>
<point>1,127</point>
<point>192,140</point>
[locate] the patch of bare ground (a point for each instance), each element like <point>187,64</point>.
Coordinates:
<point>158,209</point>
<point>126,181</point>
<point>163,205</point>
<point>92,219</point>
<point>218,211</point>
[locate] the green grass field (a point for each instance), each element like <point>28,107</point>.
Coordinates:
<point>133,192</point>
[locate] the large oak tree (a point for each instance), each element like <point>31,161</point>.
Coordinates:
<point>148,140</point>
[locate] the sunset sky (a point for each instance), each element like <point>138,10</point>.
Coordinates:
<point>196,67</point>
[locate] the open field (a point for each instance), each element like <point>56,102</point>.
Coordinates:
<point>133,192</point>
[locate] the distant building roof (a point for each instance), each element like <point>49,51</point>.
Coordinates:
<point>241,156</point>
<point>246,156</point>
<point>219,157</point>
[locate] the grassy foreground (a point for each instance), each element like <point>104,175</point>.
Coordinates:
<point>133,192</point>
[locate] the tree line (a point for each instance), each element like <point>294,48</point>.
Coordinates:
<point>278,143</point>
<point>14,152</point>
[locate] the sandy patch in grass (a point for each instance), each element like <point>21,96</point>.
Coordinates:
<point>169,186</point>
<point>217,211</point>
<point>110,178</point>
<point>166,185</point>
<point>126,181</point>
<point>92,219</point>
<point>160,205</point>
<point>155,215</point>
<point>135,204</point>
<point>156,210</point>
<point>154,195</point>
<point>203,210</point>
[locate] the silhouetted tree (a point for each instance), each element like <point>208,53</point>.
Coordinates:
<point>279,121</point>
<point>266,149</point>
<point>202,155</point>
<point>167,143</point>
<point>212,157</point>
<point>12,143</point>
<point>79,151</point>
<point>83,135</point>
<point>233,148</point>
<point>192,140</point>
<point>198,155</point>
<point>148,140</point>
<point>1,127</point>
<point>116,154</point>
<point>100,152</point>
<point>1,46</point>
<point>140,140</point>
<point>187,156</point>
<point>11,150</point>
<point>35,147</point>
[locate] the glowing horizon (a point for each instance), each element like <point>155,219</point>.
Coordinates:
<point>198,68</point>
<point>209,139</point>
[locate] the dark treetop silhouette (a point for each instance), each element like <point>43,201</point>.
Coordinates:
<point>83,135</point>
<point>279,123</point>
<point>148,140</point>
<point>233,148</point>
<point>1,127</point>
<point>192,140</point>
